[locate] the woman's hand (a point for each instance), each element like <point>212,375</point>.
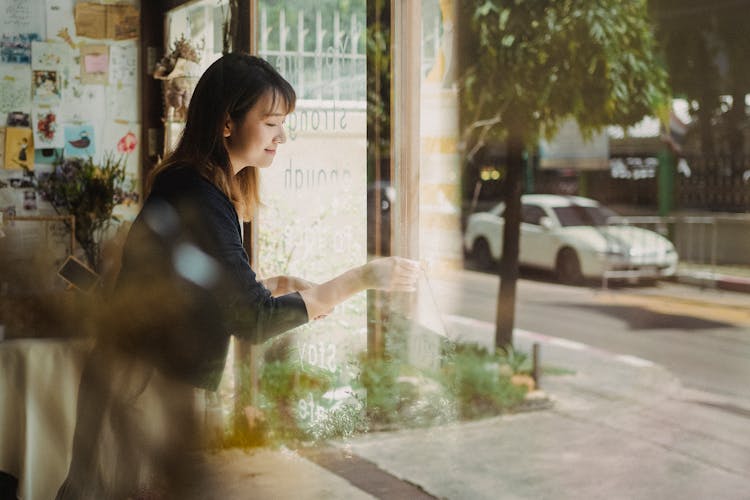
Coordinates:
<point>392,274</point>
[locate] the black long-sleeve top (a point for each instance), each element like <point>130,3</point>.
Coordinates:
<point>187,285</point>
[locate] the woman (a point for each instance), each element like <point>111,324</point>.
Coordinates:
<point>186,284</point>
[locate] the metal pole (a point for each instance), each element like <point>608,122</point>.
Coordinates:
<point>714,238</point>
<point>536,367</point>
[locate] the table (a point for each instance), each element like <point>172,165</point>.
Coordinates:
<point>39,383</point>
<point>38,392</point>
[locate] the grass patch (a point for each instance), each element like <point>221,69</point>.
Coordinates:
<point>302,403</point>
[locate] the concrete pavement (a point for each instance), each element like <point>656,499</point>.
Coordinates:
<point>620,427</point>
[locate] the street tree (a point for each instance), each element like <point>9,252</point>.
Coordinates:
<point>526,65</point>
<point>705,46</point>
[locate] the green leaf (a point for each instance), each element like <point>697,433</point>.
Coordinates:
<point>503,21</point>
<point>486,8</point>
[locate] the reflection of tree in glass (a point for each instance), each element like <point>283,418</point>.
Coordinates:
<point>527,65</point>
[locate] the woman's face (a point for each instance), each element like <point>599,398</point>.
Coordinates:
<point>252,140</point>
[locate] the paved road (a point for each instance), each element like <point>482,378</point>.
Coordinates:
<point>702,336</point>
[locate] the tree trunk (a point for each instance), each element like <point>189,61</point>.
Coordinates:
<point>506,298</point>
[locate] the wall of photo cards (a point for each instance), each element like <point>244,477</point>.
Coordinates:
<point>68,88</point>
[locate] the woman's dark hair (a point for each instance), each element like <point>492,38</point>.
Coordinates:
<point>229,88</point>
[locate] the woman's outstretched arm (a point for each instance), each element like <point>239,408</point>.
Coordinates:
<point>281,285</point>
<point>387,273</point>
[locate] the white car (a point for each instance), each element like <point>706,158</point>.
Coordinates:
<point>575,237</point>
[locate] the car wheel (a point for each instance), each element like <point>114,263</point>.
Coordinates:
<point>568,267</point>
<point>482,254</point>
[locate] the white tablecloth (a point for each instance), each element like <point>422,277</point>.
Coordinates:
<point>39,381</point>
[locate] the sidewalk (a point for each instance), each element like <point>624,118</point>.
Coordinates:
<point>620,427</point>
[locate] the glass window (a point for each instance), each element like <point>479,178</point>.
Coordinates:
<point>198,24</point>
<point>532,214</point>
<point>313,220</point>
<point>576,215</point>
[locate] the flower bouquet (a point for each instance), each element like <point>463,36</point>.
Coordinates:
<point>179,69</point>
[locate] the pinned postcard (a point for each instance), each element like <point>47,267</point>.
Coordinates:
<point>116,22</point>
<point>16,48</point>
<point>15,90</point>
<point>2,145</point>
<point>82,103</point>
<point>47,128</point>
<point>91,20</point>
<point>95,64</point>
<point>60,23</point>
<point>48,156</point>
<point>45,87</point>
<point>121,103</point>
<point>123,64</point>
<point>22,16</point>
<point>19,119</point>
<point>19,148</point>
<point>122,22</point>
<point>79,141</point>
<point>124,140</point>
<point>49,56</point>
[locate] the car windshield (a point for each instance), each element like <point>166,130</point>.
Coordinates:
<point>577,215</point>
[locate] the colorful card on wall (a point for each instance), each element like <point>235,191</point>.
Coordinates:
<point>48,156</point>
<point>79,141</point>
<point>95,64</point>
<point>19,148</point>
<point>47,128</point>
<point>49,56</point>
<point>15,90</point>
<point>16,48</point>
<point>123,64</point>
<point>45,87</point>
<point>123,140</point>
<point>2,146</point>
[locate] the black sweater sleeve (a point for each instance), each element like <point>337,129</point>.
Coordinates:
<point>251,312</point>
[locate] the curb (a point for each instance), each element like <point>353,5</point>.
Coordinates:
<point>572,345</point>
<point>718,281</point>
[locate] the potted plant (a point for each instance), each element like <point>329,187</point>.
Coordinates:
<point>179,71</point>
<point>88,191</point>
